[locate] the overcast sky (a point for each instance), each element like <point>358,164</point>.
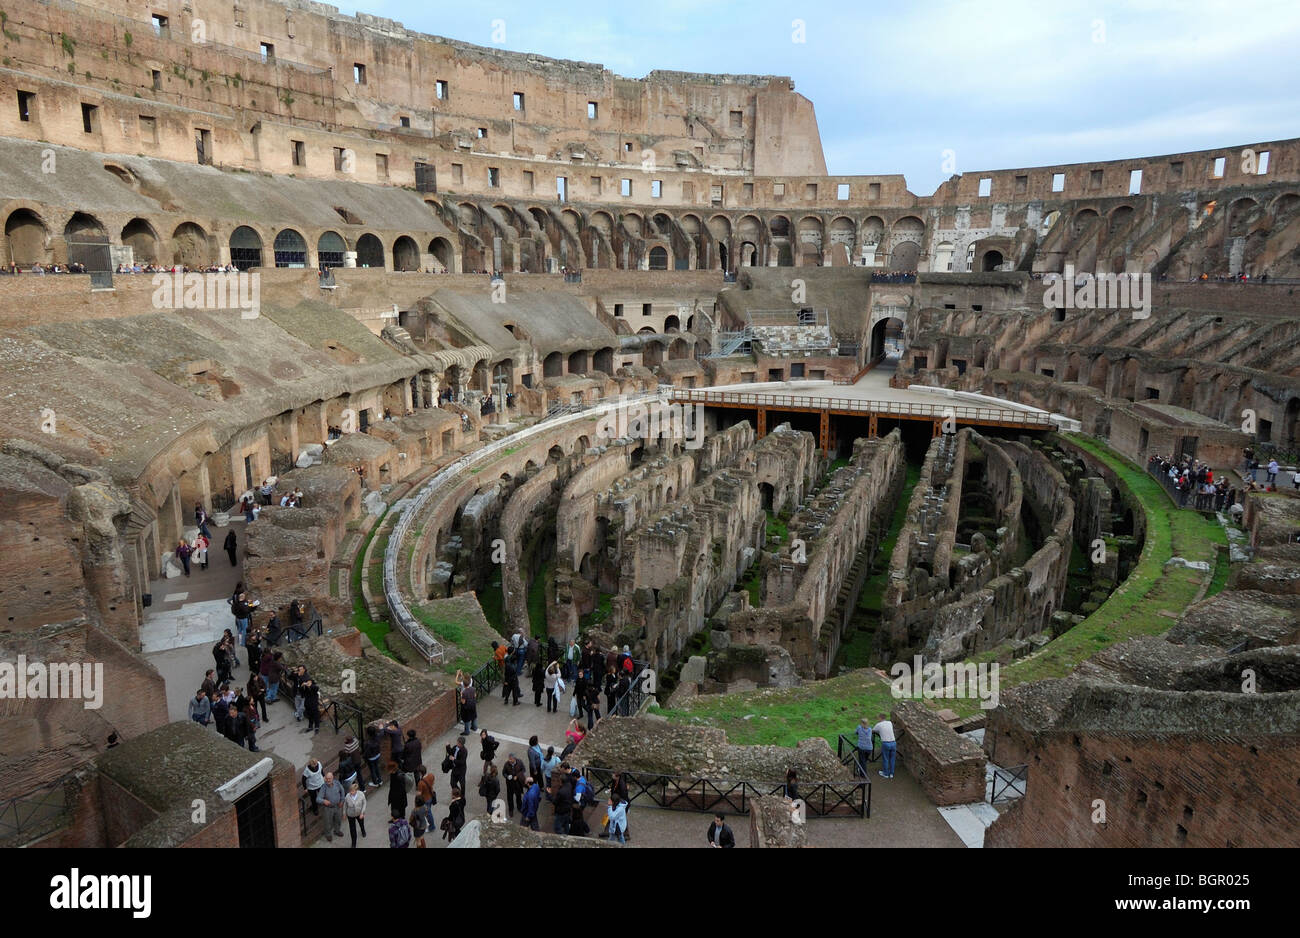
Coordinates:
<point>1002,83</point>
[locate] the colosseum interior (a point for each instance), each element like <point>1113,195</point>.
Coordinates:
<point>552,352</point>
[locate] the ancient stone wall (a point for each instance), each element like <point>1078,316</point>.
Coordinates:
<point>948,767</point>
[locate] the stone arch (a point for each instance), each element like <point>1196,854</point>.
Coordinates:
<point>843,238</point>
<point>370,251</point>
<point>779,225</point>
<point>553,365</point>
<point>406,254</point>
<point>1099,374</point>
<point>1049,221</point>
<point>810,233</point>
<point>141,238</point>
<point>28,238</point>
<point>1239,213</point>
<point>290,249</point>
<point>330,250</point>
<point>1284,203</point>
<point>905,256</point>
<point>443,253</point>
<point>83,225</point>
<point>1120,218</point>
<point>1082,220</point>
<point>245,248</point>
<point>679,349</point>
<point>658,257</point>
<point>941,262</point>
<point>992,260</point>
<point>191,245</point>
<point>672,324</point>
<point>578,362</point>
<point>882,324</point>
<point>603,360</point>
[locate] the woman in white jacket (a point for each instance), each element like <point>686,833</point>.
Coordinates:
<point>354,808</point>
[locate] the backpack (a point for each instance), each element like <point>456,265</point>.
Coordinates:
<point>401,836</point>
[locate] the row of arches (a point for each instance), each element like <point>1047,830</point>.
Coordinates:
<point>29,240</point>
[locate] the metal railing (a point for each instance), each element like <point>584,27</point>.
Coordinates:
<point>35,813</point>
<point>400,612</point>
<point>341,714</point>
<point>1190,499</point>
<point>1008,783</point>
<point>775,401</point>
<point>696,793</point>
<point>636,696</point>
<point>293,633</point>
<point>484,680</point>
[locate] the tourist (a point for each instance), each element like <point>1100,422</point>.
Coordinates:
<point>549,765</point>
<point>489,786</point>
<point>396,790</point>
<point>200,554</point>
<point>419,822</point>
<point>575,732</point>
<point>572,658</point>
<point>354,807</point>
<point>455,818</point>
<point>791,788</point>
<point>183,551</point>
<point>201,520</point>
<point>593,705</point>
<point>1272,472</point>
<point>220,714</point>
<point>331,796</point>
<point>579,701</point>
<point>273,666</point>
<point>539,679</point>
<point>560,794</point>
<point>412,756</point>
<point>371,753</point>
<point>231,549</point>
<point>469,708</point>
<point>249,507</point>
<point>552,682</point>
<point>267,489</point>
<point>488,746</point>
<point>221,656</point>
<point>393,731</point>
<point>513,773</point>
<point>510,686</point>
<point>313,779</point>
<point>257,694</point>
<point>720,834</point>
<point>424,788</point>
<point>399,832</point>
<point>311,705</point>
<point>236,725</point>
<point>253,649</point>
<point>200,709</point>
<point>888,746</point>
<point>616,818</point>
<point>209,684</point>
<point>349,764</point>
<point>458,756</point>
<point>611,688</point>
<point>530,803</point>
<point>535,758</point>
<point>864,747</point>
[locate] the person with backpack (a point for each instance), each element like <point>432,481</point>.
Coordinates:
<point>535,758</point>
<point>458,755</point>
<point>424,788</point>
<point>455,818</point>
<point>511,684</point>
<point>469,708</point>
<point>399,832</point>
<point>412,753</point>
<point>616,818</point>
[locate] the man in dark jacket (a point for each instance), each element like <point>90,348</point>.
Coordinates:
<point>720,834</point>
<point>459,756</point>
<point>412,753</point>
<point>311,704</point>
<point>514,773</point>
<point>231,549</point>
<point>539,682</point>
<point>236,726</point>
<point>511,685</point>
<point>469,709</point>
<point>563,801</point>
<point>394,733</point>
<point>371,750</point>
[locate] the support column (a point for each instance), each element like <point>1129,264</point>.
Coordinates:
<point>938,428</point>
<point>762,422</point>
<point>872,430</point>
<point>824,432</point>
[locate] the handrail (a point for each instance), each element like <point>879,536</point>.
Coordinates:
<point>698,793</point>
<point>44,806</point>
<point>857,405</point>
<point>634,697</point>
<point>1014,779</point>
<point>415,632</point>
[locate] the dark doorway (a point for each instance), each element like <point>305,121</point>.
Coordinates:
<point>255,818</point>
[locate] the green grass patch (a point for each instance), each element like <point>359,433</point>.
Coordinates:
<point>361,619</point>
<point>538,590</point>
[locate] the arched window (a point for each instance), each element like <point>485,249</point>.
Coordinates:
<point>290,249</point>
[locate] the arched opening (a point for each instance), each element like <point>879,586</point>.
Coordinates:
<point>555,454</point>
<point>992,261</point>
<point>406,254</point>
<point>658,258</point>
<point>887,340</point>
<point>553,365</point>
<point>191,246</point>
<point>330,250</point>
<point>290,249</point>
<point>370,251</point>
<point>603,360</point>
<point>672,324</point>
<point>443,253</point>
<point>140,237</point>
<point>26,236</point>
<point>942,261</point>
<point>766,495</point>
<point>679,349</point>
<point>578,363</point>
<point>84,227</point>
<point>245,248</point>
<point>748,254</point>
<point>905,256</point>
